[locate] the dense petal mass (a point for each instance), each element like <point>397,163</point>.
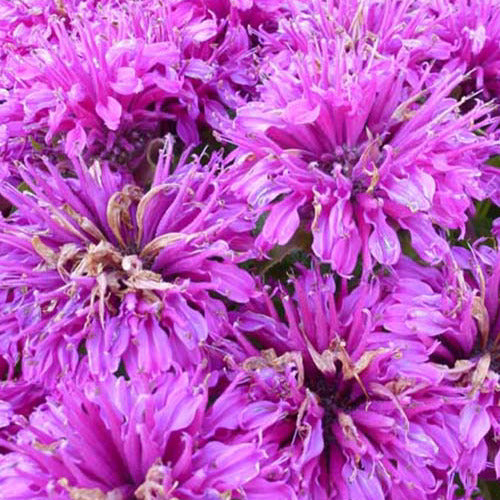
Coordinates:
<point>117,77</point>
<point>471,31</point>
<point>358,149</point>
<point>456,312</point>
<point>372,401</point>
<point>150,439</point>
<point>249,249</point>
<point>118,273</point>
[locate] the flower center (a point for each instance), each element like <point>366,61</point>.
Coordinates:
<point>334,398</point>
<point>127,148</point>
<point>342,160</point>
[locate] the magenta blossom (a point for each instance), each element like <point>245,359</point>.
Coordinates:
<point>118,440</point>
<point>113,82</point>
<point>256,13</point>
<point>397,28</point>
<point>17,400</point>
<point>339,143</point>
<point>471,30</point>
<point>23,24</point>
<point>454,310</point>
<point>116,272</point>
<point>377,408</point>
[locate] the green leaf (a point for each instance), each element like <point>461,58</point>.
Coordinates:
<point>494,160</point>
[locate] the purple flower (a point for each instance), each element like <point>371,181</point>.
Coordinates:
<point>403,29</point>
<point>376,409</point>
<point>95,265</point>
<point>115,440</point>
<point>106,85</point>
<point>472,33</point>
<point>139,357</point>
<point>112,440</point>
<point>256,13</point>
<point>17,400</point>
<point>454,310</point>
<point>23,24</point>
<point>340,143</point>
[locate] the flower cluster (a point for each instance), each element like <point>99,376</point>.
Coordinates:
<point>249,250</point>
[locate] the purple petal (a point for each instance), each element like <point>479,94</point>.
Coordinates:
<point>110,112</point>
<point>76,140</point>
<point>126,81</point>
<point>300,112</point>
<point>474,424</point>
<point>383,242</point>
<point>187,129</point>
<point>414,192</point>
<point>283,220</point>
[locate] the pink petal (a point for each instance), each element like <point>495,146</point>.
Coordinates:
<point>336,239</point>
<point>76,140</point>
<point>242,4</point>
<point>187,130</point>
<point>196,68</point>
<point>110,112</point>
<point>260,414</point>
<point>300,112</point>
<point>474,424</point>
<point>201,32</point>
<point>126,81</point>
<point>229,466</point>
<point>424,239</point>
<point>283,220</point>
<point>415,192</point>
<point>232,282</point>
<point>383,241</point>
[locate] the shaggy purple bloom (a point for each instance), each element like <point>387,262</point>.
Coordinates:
<point>471,30</point>
<point>24,28</point>
<point>256,13</point>
<point>139,357</point>
<point>454,310</point>
<point>17,400</point>
<point>400,28</point>
<point>376,410</point>
<point>339,143</point>
<point>118,440</point>
<point>24,24</point>
<point>97,265</point>
<point>111,83</point>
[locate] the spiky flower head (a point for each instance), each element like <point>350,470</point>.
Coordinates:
<point>118,440</point>
<point>471,31</point>
<point>454,310</point>
<point>105,85</point>
<point>340,143</point>
<point>95,265</point>
<point>372,403</point>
